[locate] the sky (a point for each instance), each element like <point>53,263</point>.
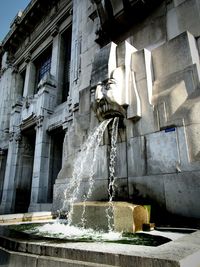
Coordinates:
<point>8,10</point>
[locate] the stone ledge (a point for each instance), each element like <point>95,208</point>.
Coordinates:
<point>180,253</point>
<point>25,217</point>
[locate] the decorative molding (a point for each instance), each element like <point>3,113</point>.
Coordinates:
<point>39,121</point>
<point>18,136</point>
<point>77,59</point>
<point>47,80</point>
<point>15,69</point>
<point>54,31</point>
<point>29,122</point>
<point>28,58</point>
<point>11,136</point>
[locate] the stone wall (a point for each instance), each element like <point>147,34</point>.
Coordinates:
<point>158,149</point>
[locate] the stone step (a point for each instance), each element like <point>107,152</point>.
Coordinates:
<point>17,259</point>
<point>29,252</point>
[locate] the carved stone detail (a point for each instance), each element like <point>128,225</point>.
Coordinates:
<point>39,121</point>
<point>116,91</point>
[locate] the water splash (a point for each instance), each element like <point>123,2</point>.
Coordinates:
<point>112,178</point>
<point>84,167</point>
<point>70,232</point>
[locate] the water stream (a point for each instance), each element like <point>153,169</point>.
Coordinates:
<point>84,168</point>
<point>111,186</point>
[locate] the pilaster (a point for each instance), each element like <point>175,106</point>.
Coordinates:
<point>9,188</point>
<point>29,83</point>
<point>40,179</point>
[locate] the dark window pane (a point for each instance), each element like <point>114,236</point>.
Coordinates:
<point>43,65</point>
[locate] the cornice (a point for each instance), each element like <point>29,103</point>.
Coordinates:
<point>45,32</point>
<point>24,25</point>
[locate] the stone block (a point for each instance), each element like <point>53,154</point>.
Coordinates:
<point>125,217</point>
<point>136,156</point>
<point>121,160</point>
<point>162,152</point>
<point>151,35</point>
<point>176,98</point>
<point>182,193</point>
<point>142,67</point>
<point>188,14</point>
<point>193,142</point>
<point>21,259</point>
<point>175,55</point>
<point>84,104</point>
<point>86,73</point>
<point>172,24</point>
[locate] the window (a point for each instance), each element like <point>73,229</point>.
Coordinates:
<point>44,68</point>
<point>43,65</point>
<point>21,82</point>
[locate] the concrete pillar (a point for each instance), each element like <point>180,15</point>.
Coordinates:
<point>40,179</point>
<point>29,84</point>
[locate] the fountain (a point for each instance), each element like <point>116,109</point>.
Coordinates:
<point>101,223</point>
<point>112,102</point>
<point>108,216</point>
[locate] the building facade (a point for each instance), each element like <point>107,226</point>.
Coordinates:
<point>55,62</point>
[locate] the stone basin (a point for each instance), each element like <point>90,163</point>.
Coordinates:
<point>23,252</point>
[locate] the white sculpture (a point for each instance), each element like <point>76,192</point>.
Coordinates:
<point>114,83</point>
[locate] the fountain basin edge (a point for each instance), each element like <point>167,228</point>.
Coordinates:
<point>15,252</point>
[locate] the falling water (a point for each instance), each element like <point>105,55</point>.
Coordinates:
<point>91,179</point>
<point>81,165</point>
<point>111,186</point>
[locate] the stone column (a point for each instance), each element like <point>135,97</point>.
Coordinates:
<point>40,179</point>
<point>29,84</point>
<point>9,190</point>
<point>57,60</point>
<point>55,52</point>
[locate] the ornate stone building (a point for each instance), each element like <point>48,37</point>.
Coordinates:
<point>60,59</point>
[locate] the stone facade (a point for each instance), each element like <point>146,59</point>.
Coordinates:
<point>54,58</point>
